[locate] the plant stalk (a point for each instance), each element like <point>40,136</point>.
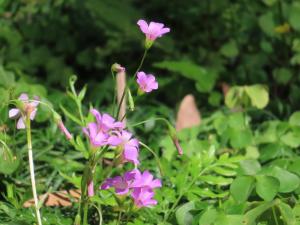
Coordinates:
<point>31,168</point>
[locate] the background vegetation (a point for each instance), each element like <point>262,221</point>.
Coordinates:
<point>241,164</point>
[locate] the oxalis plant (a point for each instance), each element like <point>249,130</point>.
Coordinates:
<point>106,134</point>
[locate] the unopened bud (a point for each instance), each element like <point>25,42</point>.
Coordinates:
<point>130,100</point>
<point>117,68</point>
<point>173,135</point>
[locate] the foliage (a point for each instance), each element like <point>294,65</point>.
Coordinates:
<point>240,165</point>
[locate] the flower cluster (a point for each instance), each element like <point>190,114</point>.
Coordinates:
<point>28,108</point>
<point>140,186</point>
<point>106,131</point>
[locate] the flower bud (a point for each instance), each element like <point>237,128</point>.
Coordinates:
<point>117,68</point>
<point>173,135</point>
<point>130,100</point>
<point>61,126</point>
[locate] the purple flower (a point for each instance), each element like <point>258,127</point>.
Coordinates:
<point>128,145</point>
<point>99,132</point>
<point>106,122</point>
<point>97,137</point>
<point>143,197</point>
<point>153,30</point>
<point>139,185</point>
<point>121,184</point>
<point>146,83</point>
<point>145,180</point>
<point>29,108</point>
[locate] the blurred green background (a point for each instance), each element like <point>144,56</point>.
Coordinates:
<point>212,43</point>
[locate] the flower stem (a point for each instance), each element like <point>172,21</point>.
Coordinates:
<point>85,213</point>
<point>126,86</point>
<point>31,167</point>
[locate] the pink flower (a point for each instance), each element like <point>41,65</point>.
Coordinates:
<point>29,108</point>
<point>98,132</point>
<point>145,180</point>
<point>121,184</point>
<point>106,122</point>
<point>97,137</point>
<point>146,83</point>
<point>153,30</point>
<point>140,186</point>
<point>128,145</point>
<point>143,197</point>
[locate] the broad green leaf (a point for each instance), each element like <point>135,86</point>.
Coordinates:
<point>291,139</point>
<point>205,79</point>
<point>294,15</point>
<point>258,94</point>
<point>294,119</point>
<point>7,78</point>
<point>270,2</point>
<point>208,217</point>
<point>230,49</point>
<point>282,75</point>
<point>288,181</point>
<point>183,215</point>
<point>250,167</point>
<point>241,188</point>
<point>267,187</point>
<point>266,23</point>
<point>240,138</point>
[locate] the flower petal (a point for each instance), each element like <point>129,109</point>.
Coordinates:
<point>13,113</point>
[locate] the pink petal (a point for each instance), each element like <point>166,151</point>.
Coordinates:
<point>23,97</point>
<point>32,114</point>
<point>20,123</point>
<point>143,25</point>
<point>13,113</point>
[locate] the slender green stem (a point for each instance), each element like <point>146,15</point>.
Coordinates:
<point>184,191</point>
<point>134,75</point>
<point>274,215</point>
<point>85,213</point>
<point>31,168</point>
<point>141,63</point>
<point>119,218</point>
<point>155,156</point>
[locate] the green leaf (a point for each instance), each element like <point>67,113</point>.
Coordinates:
<point>230,49</point>
<point>294,16</point>
<point>282,75</point>
<point>250,167</point>
<point>216,180</point>
<point>267,187</point>
<point>240,138</point>
<point>294,119</point>
<point>70,115</point>
<point>291,139</point>
<point>7,78</point>
<point>287,213</point>
<point>205,79</point>
<point>266,23</point>
<point>288,181</point>
<point>208,217</point>
<point>241,188</point>
<point>183,215</point>
<point>258,94</point>
<point>270,2</point>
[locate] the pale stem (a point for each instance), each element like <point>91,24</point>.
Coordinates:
<point>31,168</point>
